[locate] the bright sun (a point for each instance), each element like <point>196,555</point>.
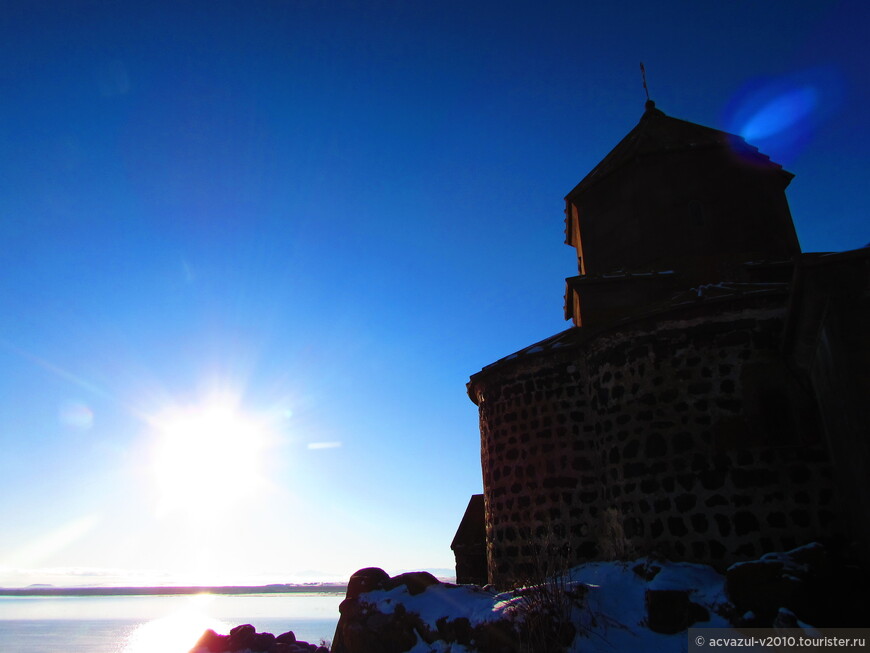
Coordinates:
<point>207,458</point>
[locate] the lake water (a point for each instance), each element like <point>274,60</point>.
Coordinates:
<point>155,624</point>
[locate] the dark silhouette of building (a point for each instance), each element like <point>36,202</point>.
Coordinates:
<point>710,402</point>
<point>469,544</point>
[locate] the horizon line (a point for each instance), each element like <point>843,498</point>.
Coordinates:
<point>153,590</point>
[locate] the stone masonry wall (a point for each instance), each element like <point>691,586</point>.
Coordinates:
<point>688,438</point>
<point>541,470</point>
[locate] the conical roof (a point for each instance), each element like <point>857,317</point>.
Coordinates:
<point>658,133</point>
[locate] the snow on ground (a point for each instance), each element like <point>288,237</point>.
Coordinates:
<point>474,603</point>
<point>613,616</point>
<point>615,613</point>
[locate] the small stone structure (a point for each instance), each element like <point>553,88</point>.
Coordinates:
<point>469,544</point>
<point>710,403</point>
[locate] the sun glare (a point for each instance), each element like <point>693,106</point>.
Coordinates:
<point>207,457</point>
<point>175,632</point>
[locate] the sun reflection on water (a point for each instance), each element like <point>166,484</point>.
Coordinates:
<point>176,632</point>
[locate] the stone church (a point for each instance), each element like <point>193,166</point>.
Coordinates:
<point>709,402</point>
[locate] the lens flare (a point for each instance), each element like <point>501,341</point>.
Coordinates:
<point>779,116</point>
<point>786,111</point>
<point>76,415</point>
<point>52,543</point>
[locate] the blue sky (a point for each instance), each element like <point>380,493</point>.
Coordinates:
<point>311,222</point>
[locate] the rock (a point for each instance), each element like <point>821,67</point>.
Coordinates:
<point>747,620</point>
<point>262,642</point>
<point>286,638</point>
<point>366,580</point>
<point>785,618</point>
<point>646,570</point>
<point>820,590</point>
<point>364,628</point>
<point>813,556</point>
<point>242,637</point>
<point>497,637</point>
<point>456,630</point>
<point>211,641</point>
<point>415,581</point>
<point>671,611</point>
<point>285,647</point>
<point>666,610</point>
<point>361,629</point>
<point>245,639</point>
<point>697,613</point>
<point>761,587</point>
<point>777,580</point>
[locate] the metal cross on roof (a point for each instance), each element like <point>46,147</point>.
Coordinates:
<point>643,76</point>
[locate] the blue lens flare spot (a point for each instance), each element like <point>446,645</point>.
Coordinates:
<point>787,111</point>
<point>779,116</point>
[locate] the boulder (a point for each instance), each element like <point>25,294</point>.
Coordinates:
<point>286,638</point>
<point>763,587</point>
<point>456,630</point>
<point>366,580</point>
<point>246,638</point>
<point>415,581</point>
<point>364,628</point>
<point>211,641</point>
<point>671,611</point>
<point>242,637</point>
<point>285,647</point>
<point>646,570</point>
<point>262,642</point>
<point>785,618</point>
<point>361,630</point>
<point>497,637</point>
<point>780,580</point>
